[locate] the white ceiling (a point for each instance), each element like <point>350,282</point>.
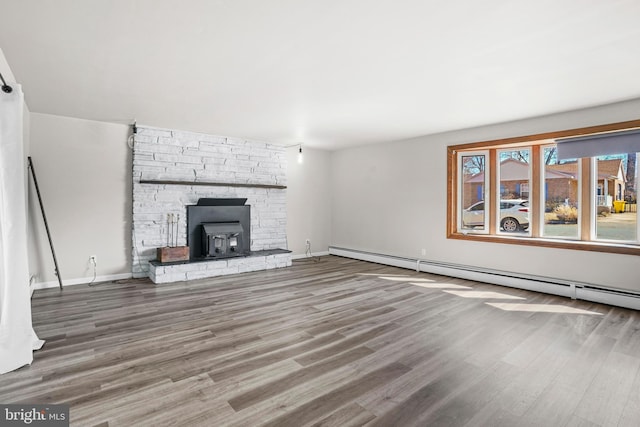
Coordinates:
<point>329,73</point>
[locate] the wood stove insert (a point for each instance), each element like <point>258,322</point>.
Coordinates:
<point>219,228</point>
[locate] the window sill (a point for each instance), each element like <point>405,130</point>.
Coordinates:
<point>616,248</point>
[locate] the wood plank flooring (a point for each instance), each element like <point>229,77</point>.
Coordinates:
<point>331,343</point>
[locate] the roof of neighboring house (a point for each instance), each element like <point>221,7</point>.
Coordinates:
<point>606,168</point>
<point>610,169</point>
<point>570,168</point>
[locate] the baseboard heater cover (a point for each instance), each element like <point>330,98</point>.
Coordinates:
<point>548,285</point>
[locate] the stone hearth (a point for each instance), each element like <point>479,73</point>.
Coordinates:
<point>191,270</point>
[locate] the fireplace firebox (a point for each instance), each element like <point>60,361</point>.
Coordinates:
<point>221,239</point>
<point>219,228</point>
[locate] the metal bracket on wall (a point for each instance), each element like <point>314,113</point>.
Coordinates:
<point>5,87</point>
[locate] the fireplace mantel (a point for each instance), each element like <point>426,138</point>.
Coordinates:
<point>211,184</point>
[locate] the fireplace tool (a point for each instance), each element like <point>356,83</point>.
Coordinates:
<point>175,232</point>
<point>172,252</point>
<point>172,230</point>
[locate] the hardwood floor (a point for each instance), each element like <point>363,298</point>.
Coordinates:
<point>331,343</point>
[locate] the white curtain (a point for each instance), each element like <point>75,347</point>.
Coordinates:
<point>17,337</point>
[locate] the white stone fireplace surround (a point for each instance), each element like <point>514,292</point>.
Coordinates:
<point>216,167</point>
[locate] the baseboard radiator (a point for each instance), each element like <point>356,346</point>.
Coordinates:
<point>548,285</point>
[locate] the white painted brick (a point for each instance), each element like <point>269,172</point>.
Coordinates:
<point>146,162</point>
<point>196,136</point>
<point>242,165</point>
<point>220,264</point>
<point>213,176</point>
<point>169,175</point>
<point>221,149</point>
<point>230,270</point>
<point>212,139</point>
<point>147,217</point>
<point>187,156</point>
<point>178,277</point>
<point>175,158</point>
<point>187,167</point>
<point>166,196</point>
<point>145,131</point>
<point>186,268</point>
<point>225,167</point>
<point>145,147</point>
<point>238,142</point>
<point>273,215</point>
<point>151,242</point>
<point>252,267</point>
<point>144,209</point>
<point>142,190</point>
<point>144,138</point>
<point>267,164</point>
<point>142,260</point>
<point>264,153</point>
<point>194,275</point>
<point>148,169</point>
<point>260,178</point>
<point>235,262</point>
<point>206,156</point>
<point>142,156</point>
<point>178,142</point>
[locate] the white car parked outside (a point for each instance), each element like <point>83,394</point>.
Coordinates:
<point>514,215</point>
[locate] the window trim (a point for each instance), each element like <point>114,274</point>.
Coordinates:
<point>498,198</point>
<point>487,191</point>
<point>594,204</point>
<point>542,201</point>
<point>586,192</point>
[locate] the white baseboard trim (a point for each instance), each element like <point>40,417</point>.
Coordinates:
<point>566,288</point>
<point>302,256</point>
<point>80,281</point>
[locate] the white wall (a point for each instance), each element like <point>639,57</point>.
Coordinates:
<point>84,172</point>
<point>391,199</point>
<point>308,200</point>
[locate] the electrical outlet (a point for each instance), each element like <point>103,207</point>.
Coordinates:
<point>93,259</point>
<point>424,251</point>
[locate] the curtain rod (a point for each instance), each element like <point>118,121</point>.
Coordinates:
<point>5,87</point>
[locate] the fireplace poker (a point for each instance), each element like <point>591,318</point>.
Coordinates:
<point>169,230</point>
<point>175,235</point>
